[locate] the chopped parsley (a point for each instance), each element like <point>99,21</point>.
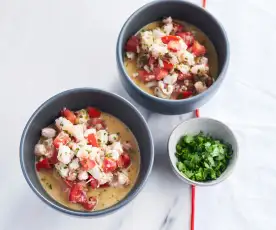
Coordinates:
<point>201,157</point>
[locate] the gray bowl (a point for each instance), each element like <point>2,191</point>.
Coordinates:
<point>181,10</point>
<point>76,99</point>
<point>208,126</point>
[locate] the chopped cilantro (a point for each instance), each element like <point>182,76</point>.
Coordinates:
<point>108,154</point>
<point>201,157</point>
<point>50,186</point>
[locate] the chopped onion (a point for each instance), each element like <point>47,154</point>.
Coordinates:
<point>151,84</point>
<point>161,64</point>
<point>147,68</point>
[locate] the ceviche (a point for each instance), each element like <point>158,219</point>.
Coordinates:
<point>171,59</point>
<point>87,159</point>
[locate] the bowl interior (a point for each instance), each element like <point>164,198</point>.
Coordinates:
<point>181,10</point>
<point>209,126</point>
<point>74,100</point>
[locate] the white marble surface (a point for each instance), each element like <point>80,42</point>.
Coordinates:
<point>48,46</point>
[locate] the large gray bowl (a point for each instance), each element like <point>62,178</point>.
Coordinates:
<point>76,99</point>
<point>183,11</point>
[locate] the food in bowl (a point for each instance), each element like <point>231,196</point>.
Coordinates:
<point>201,157</point>
<point>171,59</point>
<point>87,160</point>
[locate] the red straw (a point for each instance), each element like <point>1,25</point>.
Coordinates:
<point>193,194</point>
<point>203,3</point>
<point>193,187</point>
<point>193,209</point>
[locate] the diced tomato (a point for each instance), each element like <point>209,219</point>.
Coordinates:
<point>177,27</point>
<point>53,159</point>
<point>182,76</point>
<point>209,81</point>
<point>77,194</point>
<point>198,49</point>
<point>187,37</point>
<point>109,165</point>
<point>124,161</point>
<point>106,185</point>
<point>69,115</point>
<point>61,139</point>
<point>151,60</point>
<point>174,46</point>
<point>160,73</point>
<point>132,43</point>
<point>167,65</point>
<point>68,183</point>
<point>94,183</point>
<point>145,76</point>
<point>91,203</point>
<point>93,112</point>
<point>187,94</point>
<point>43,164</point>
<point>91,139</point>
<point>169,38</point>
<point>97,123</point>
<point>87,164</point>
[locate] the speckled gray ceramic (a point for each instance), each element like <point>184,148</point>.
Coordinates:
<point>181,10</point>
<point>76,99</point>
<point>213,127</point>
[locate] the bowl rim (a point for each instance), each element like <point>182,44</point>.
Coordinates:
<point>61,207</point>
<point>120,62</point>
<point>228,170</point>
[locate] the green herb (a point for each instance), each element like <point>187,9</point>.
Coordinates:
<point>43,179</point>
<point>201,157</point>
<point>108,155</point>
<point>50,186</point>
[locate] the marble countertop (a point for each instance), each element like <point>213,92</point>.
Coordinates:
<point>48,46</point>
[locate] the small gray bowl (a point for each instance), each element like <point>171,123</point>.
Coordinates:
<point>76,99</point>
<point>208,126</point>
<point>184,11</point>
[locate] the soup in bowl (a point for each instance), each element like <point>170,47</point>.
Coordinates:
<point>172,56</point>
<point>82,153</point>
<point>171,59</point>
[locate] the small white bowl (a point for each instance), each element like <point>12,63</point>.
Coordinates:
<point>208,126</point>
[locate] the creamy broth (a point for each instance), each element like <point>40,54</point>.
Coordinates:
<point>109,196</point>
<point>211,54</point>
